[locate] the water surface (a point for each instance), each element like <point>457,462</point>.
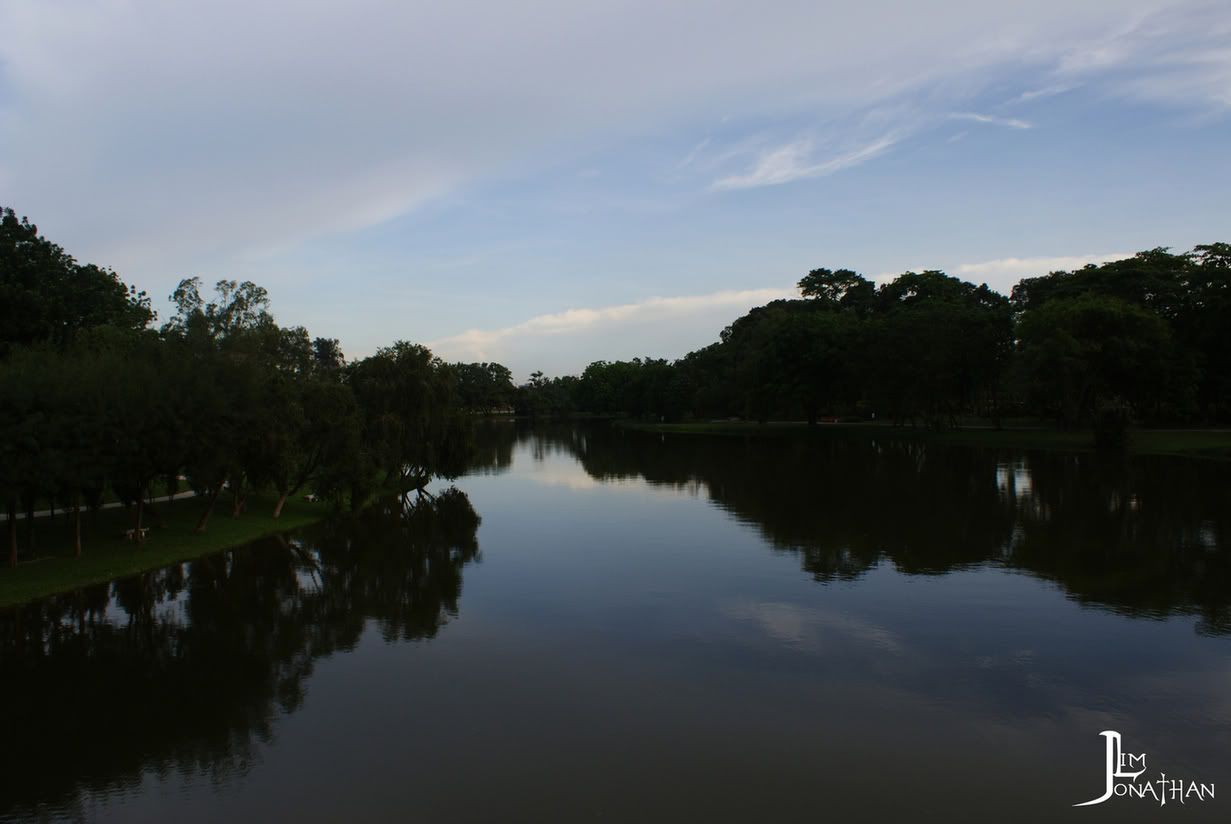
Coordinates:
<point>618,626</point>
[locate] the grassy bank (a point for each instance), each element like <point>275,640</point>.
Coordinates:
<point>106,554</point>
<point>1187,442</point>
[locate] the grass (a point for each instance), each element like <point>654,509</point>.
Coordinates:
<point>106,554</point>
<point>1210,443</point>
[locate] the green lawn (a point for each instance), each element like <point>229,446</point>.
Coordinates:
<point>1188,442</point>
<point>106,554</point>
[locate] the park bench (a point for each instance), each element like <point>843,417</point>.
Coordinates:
<point>131,534</point>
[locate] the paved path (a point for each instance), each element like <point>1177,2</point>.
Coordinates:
<point>46,513</point>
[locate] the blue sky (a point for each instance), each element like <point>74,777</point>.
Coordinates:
<point>557,182</point>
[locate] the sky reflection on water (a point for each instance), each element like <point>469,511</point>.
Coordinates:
<point>657,629</point>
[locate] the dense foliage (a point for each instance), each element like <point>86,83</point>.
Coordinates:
<point>45,295</point>
<point>96,403</point>
<point>1138,339</point>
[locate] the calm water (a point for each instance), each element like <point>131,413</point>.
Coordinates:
<point>648,629</point>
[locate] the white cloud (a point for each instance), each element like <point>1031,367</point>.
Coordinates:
<point>606,331</point>
<point>162,137</point>
<point>1044,92</point>
<point>1008,122</point>
<point>794,161</point>
<point>1003,273</point>
<point>694,153</point>
<point>1200,74</point>
<point>1176,57</point>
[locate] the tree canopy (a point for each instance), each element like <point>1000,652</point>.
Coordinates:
<point>48,297</point>
<point>97,403</point>
<point>1144,334</point>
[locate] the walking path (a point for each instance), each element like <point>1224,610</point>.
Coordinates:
<point>46,513</point>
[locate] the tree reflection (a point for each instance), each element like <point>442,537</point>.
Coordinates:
<point>494,442</point>
<point>185,669</point>
<point>1146,536</point>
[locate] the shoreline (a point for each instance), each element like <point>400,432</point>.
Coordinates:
<point>106,555</point>
<point>1214,444</point>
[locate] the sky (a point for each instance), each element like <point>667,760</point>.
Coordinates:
<point>552,182</point>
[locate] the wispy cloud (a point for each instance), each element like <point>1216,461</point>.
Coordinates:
<point>795,161</point>
<point>319,127</point>
<point>1045,92</point>
<point>693,154</point>
<point>1194,75</point>
<point>1176,57</point>
<point>992,120</point>
<point>482,344</point>
<point>333,154</point>
<point>1002,273</point>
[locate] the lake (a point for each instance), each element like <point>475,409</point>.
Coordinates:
<point>618,626</point>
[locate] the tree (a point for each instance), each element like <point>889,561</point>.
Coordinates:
<point>792,358</point>
<point>1201,327</point>
<point>484,387</point>
<point>327,354</point>
<point>316,426</point>
<point>1081,352</point>
<point>842,288</point>
<point>937,345</point>
<point>238,307</point>
<point>412,427</point>
<point>47,297</point>
<point>542,397</point>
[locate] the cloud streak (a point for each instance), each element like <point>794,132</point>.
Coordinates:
<point>1025,267</point>
<point>313,118</point>
<point>563,328</point>
<point>1003,273</point>
<point>295,143</point>
<point>993,120</point>
<point>1175,57</point>
<point>794,161</point>
<point>1044,92</point>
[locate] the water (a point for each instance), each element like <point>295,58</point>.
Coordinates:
<point>655,629</point>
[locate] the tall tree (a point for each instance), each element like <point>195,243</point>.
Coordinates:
<point>47,297</point>
<point>1081,352</point>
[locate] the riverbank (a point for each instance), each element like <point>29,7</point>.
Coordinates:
<point>1205,443</point>
<point>107,555</point>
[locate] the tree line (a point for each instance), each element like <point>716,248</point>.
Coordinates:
<point>1134,340</point>
<point>97,401</point>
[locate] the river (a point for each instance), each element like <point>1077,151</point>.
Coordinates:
<point>602,625</point>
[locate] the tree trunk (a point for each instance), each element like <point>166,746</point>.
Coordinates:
<point>213,497</point>
<point>237,503</point>
<point>12,534</point>
<point>278,506</point>
<point>30,524</point>
<point>155,514</point>
<point>77,527</point>
<point>140,512</point>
